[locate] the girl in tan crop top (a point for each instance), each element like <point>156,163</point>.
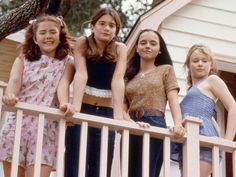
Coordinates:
<point>151,82</point>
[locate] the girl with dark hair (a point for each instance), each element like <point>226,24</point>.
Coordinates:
<point>100,63</point>
<point>34,79</point>
<point>150,83</point>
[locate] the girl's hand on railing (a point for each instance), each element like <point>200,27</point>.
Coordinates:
<point>68,109</point>
<point>178,130</point>
<point>143,124</point>
<point>9,99</point>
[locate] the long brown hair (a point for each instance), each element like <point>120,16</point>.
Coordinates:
<point>110,53</point>
<point>204,50</point>
<point>32,52</point>
<point>162,58</point>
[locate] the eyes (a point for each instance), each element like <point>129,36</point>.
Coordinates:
<point>44,32</point>
<point>203,60</point>
<point>145,42</point>
<point>104,24</point>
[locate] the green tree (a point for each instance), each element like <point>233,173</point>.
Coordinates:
<point>75,12</point>
<point>17,18</point>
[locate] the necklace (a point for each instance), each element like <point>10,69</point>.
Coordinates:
<point>142,73</point>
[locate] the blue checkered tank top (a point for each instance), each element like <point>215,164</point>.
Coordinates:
<point>197,104</point>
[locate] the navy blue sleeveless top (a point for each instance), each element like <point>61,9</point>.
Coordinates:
<point>197,104</point>
<point>100,73</point>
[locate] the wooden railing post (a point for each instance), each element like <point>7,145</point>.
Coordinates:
<point>191,163</point>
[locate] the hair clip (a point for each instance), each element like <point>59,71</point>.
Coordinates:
<point>60,18</point>
<point>32,21</point>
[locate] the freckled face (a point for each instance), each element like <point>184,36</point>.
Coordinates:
<point>48,37</point>
<point>148,45</point>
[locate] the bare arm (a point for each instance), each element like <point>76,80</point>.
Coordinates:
<point>175,112</point>
<point>14,83</point>
<point>118,85</point>
<point>81,76</point>
<point>221,91</point>
<point>126,115</point>
<point>63,89</point>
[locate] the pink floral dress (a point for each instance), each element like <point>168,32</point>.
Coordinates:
<point>39,83</point>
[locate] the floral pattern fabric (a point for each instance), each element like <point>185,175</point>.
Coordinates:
<point>39,83</point>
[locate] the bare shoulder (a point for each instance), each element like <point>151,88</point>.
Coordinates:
<point>121,46</point>
<point>81,40</point>
<point>20,59</point>
<point>81,45</point>
<point>214,79</point>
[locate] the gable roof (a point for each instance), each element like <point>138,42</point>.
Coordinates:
<point>148,20</point>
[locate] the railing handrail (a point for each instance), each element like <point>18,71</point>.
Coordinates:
<point>98,121</point>
<point>94,121</point>
<point>190,140</point>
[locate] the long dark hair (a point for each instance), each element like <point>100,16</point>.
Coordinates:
<point>32,52</point>
<point>162,58</point>
<point>110,50</point>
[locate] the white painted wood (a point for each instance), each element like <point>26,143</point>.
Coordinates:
<point>83,149</point>
<point>177,53</point>
<point>116,161</point>
<point>16,148</point>
<point>180,71</point>
<point>227,5</point>
<point>168,117</point>
<point>207,14</point>
<point>1,170</point>
<point>18,36</point>
<point>149,20</point>
<point>39,145</point>
<point>225,145</point>
<point>191,156</point>
<point>125,153</point>
<point>186,40</point>
<point>234,163</point>
<point>146,154</point>
<point>61,148</point>
<point>166,159</point>
<point>201,28</point>
<point>216,161</point>
<point>103,153</point>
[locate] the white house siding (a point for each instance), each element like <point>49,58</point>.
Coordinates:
<point>210,22</point>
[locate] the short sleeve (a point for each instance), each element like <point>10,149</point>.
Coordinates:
<point>170,80</point>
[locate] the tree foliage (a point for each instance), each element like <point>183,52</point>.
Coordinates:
<point>75,12</point>
<point>18,18</point>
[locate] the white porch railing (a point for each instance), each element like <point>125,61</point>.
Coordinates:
<point>191,141</point>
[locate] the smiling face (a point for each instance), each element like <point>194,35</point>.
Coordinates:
<point>148,46</point>
<point>199,65</point>
<point>47,37</point>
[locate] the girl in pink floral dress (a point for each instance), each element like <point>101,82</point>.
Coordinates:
<point>34,78</point>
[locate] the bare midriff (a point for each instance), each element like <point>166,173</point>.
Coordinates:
<point>97,101</point>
